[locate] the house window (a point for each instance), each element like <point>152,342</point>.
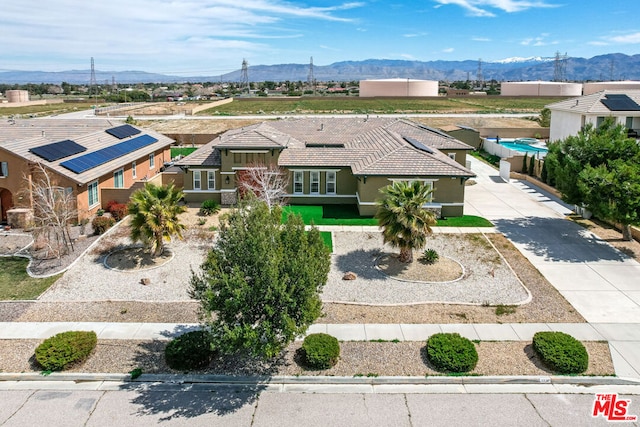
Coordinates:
<point>92,191</point>
<point>331,182</point>
<point>314,181</point>
<point>133,170</point>
<point>599,121</point>
<point>211,180</point>
<point>298,181</point>
<point>197,184</point>
<point>4,169</point>
<point>152,161</point>
<point>452,155</point>
<point>118,178</point>
<point>629,122</point>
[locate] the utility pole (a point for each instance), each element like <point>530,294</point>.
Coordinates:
<point>560,67</point>
<point>479,76</point>
<point>92,82</point>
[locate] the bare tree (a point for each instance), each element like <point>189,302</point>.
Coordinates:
<point>54,208</point>
<point>267,182</point>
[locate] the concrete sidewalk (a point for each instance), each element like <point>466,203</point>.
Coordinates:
<point>344,332</point>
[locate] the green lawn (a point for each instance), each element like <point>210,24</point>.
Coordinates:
<point>348,215</point>
<point>329,215</point>
<point>16,284</point>
<point>464,221</point>
<point>327,239</point>
<point>182,151</point>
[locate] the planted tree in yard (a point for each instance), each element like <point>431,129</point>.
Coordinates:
<point>612,191</point>
<point>154,212</point>
<point>259,286</point>
<point>401,215</point>
<point>266,182</point>
<point>54,208</point>
<point>598,169</point>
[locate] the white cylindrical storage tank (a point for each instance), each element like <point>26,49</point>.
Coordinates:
<point>540,88</point>
<point>398,87</point>
<point>17,95</point>
<point>594,87</point>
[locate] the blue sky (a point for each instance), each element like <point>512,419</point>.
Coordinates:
<point>211,37</point>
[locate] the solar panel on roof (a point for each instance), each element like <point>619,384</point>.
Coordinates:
<point>58,150</point>
<point>618,102</point>
<point>123,131</point>
<point>104,155</point>
<point>419,145</point>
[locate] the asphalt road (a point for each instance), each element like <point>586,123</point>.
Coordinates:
<point>195,405</point>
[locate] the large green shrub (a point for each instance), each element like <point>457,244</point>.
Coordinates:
<point>321,351</point>
<point>192,350</point>
<point>101,224</point>
<point>209,207</point>
<point>561,352</point>
<point>450,352</point>
<point>64,349</point>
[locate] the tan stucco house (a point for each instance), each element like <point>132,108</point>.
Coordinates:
<point>97,160</point>
<point>334,161</point>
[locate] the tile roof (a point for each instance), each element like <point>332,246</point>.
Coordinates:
<point>590,104</point>
<point>92,141</point>
<point>372,146</point>
<point>51,129</point>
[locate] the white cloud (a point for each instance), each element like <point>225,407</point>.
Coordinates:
<point>448,50</point>
<point>479,7</point>
<point>145,33</point>
<point>480,39</point>
<point>633,38</point>
<point>540,40</point>
<point>411,35</point>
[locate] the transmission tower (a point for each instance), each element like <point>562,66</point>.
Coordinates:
<point>560,67</point>
<point>113,84</point>
<point>311,80</point>
<point>479,76</point>
<point>244,77</point>
<point>612,69</point>
<point>93,90</point>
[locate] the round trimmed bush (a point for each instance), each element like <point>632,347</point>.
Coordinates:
<point>321,351</point>
<point>450,352</point>
<point>192,350</point>
<point>64,349</point>
<point>561,352</point>
<point>101,224</point>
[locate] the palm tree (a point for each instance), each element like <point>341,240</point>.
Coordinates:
<point>401,215</point>
<point>154,210</point>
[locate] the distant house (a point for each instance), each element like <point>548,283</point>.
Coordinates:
<point>96,160</point>
<point>334,161</point>
<point>570,116</point>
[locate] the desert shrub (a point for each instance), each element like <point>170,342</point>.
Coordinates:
<point>450,352</point>
<point>117,210</point>
<point>209,207</point>
<point>192,350</point>
<point>561,352</point>
<point>430,256</point>
<point>321,351</point>
<point>64,349</point>
<point>101,224</point>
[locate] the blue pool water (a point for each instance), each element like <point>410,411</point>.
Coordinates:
<point>523,148</point>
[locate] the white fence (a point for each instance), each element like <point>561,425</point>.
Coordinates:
<point>496,149</point>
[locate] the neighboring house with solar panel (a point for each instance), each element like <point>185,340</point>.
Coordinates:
<point>102,162</point>
<point>570,116</point>
<point>334,161</point>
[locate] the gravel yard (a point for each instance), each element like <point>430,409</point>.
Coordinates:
<point>487,277</point>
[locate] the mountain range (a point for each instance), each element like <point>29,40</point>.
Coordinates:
<point>614,66</point>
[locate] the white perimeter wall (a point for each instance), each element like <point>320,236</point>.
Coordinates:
<point>398,87</point>
<point>594,87</point>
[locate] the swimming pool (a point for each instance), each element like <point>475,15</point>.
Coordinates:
<point>523,145</point>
